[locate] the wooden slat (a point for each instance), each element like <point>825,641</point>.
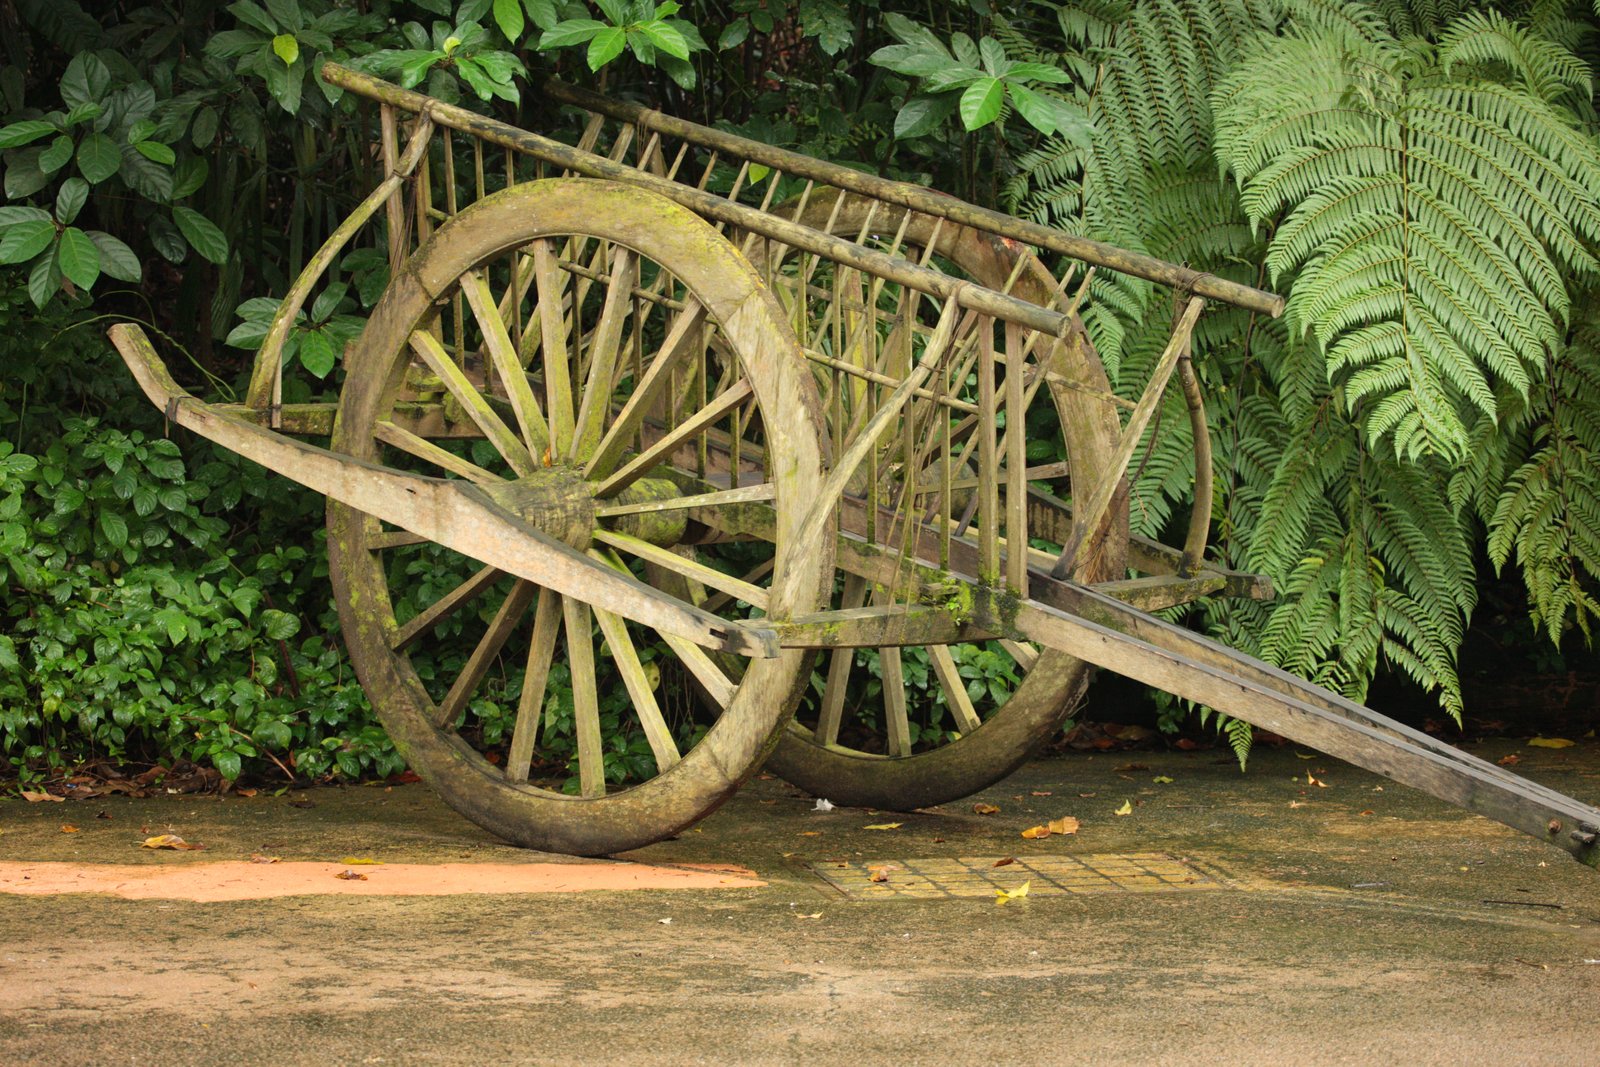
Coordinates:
<point>557,364</point>
<point>424,449</point>
<point>477,408</point>
<point>955,689</point>
<point>451,602</point>
<point>503,353</point>
<point>603,351</point>
<point>753,595</point>
<point>670,441</point>
<point>718,498</point>
<point>585,698</point>
<point>505,620</point>
<point>626,657</point>
<point>677,346</point>
<point>896,722</point>
<point>854,595</point>
<point>530,705</point>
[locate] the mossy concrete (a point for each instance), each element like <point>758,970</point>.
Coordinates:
<point>1376,927</point>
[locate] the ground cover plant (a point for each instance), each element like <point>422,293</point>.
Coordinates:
<point>1422,428</point>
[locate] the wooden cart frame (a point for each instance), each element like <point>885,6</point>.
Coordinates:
<point>785,438</point>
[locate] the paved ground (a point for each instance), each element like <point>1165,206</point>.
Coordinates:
<point>1262,919</point>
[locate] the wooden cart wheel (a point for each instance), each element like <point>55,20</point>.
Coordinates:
<point>883,766</point>
<point>609,334</point>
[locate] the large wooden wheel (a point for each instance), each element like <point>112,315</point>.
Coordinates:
<point>605,342</point>
<point>879,758</point>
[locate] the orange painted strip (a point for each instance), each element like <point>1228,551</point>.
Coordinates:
<point>234,880</point>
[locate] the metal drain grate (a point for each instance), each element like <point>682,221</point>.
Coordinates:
<point>935,878</point>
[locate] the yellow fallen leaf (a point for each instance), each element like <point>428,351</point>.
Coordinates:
<point>813,915</point>
<point>1161,779</point>
<point>172,841</point>
<point>37,798</point>
<point>986,809</point>
<point>1126,809</point>
<point>883,826</point>
<point>351,876</point>
<point>881,873</point>
<point>357,861</point>
<point>1002,896</point>
<point>1033,833</point>
<point>68,828</point>
<point>1550,742</point>
<point>1064,825</point>
<point>1313,780</point>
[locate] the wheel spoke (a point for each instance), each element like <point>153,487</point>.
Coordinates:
<point>671,441</point>
<point>585,698</point>
<point>424,449</point>
<point>541,650</point>
<point>504,356</point>
<point>553,335</point>
<point>512,609</point>
<point>603,346</point>
<point>753,595</point>
<point>674,350</point>
<point>1026,655</point>
<point>745,495</point>
<point>446,605</point>
<point>955,693</point>
<point>718,686</point>
<point>626,657</point>
<point>477,408</point>
<point>897,725</point>
<point>853,596</point>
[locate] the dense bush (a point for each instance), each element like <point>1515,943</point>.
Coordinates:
<point>176,164</point>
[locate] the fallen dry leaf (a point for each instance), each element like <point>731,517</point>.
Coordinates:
<point>1064,825</point>
<point>36,798</point>
<point>256,857</point>
<point>1369,811</point>
<point>986,809</point>
<point>245,792</point>
<point>883,826</point>
<point>1043,793</point>
<point>881,873</point>
<point>1033,833</point>
<point>68,828</point>
<point>172,841</point>
<point>810,833</point>
<point>1313,780</point>
<point>1297,803</point>
<point>813,915</point>
<point>664,922</point>
<point>1008,861</point>
<point>1550,742</point>
<point>358,861</point>
<point>1305,755</point>
<point>1126,809</point>
<point>1510,760</point>
<point>351,876</point>
<point>1003,896</point>
<point>1161,779</point>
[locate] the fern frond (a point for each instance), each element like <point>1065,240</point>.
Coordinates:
<point>1544,67</point>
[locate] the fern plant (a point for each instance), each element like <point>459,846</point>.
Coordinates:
<point>1428,215</point>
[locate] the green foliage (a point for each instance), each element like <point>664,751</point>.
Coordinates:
<point>645,28</point>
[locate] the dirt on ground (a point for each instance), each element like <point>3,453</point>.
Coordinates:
<point>1304,911</point>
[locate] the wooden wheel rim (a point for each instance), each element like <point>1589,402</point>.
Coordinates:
<point>1050,690</point>
<point>753,325</point>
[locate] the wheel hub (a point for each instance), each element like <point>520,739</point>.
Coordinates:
<point>554,500</point>
<point>664,528</point>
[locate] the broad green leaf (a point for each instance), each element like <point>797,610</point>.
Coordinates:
<point>284,84</point>
<point>606,46</point>
<point>953,77</point>
<point>1037,72</point>
<point>317,353</point>
<point>206,121</point>
<point>251,15</point>
<point>21,133</point>
<point>98,158</point>
<point>85,80</point>
<point>733,34</point>
<point>188,176</point>
<point>84,113</point>
<point>508,16</point>
<point>70,199</point>
<point>156,152</point>
<point>279,625</point>
<point>616,11</point>
<point>141,131</point>
<point>23,176</point>
<point>201,233</point>
<point>10,216</point>
<point>472,10</point>
<point>416,68</point>
<point>287,13</point>
<point>679,70</point>
<point>570,32</point>
<point>78,258</point>
<point>475,76</point>
<point>55,157</point>
<point>43,281</point>
<point>913,62</point>
<point>543,13</point>
<point>1049,115</point>
<point>923,115</point>
<point>994,56</point>
<point>227,764</point>
<point>665,38</point>
<point>116,259</point>
<point>980,103</point>
<point>114,528</point>
<point>26,239</point>
<point>286,48</point>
